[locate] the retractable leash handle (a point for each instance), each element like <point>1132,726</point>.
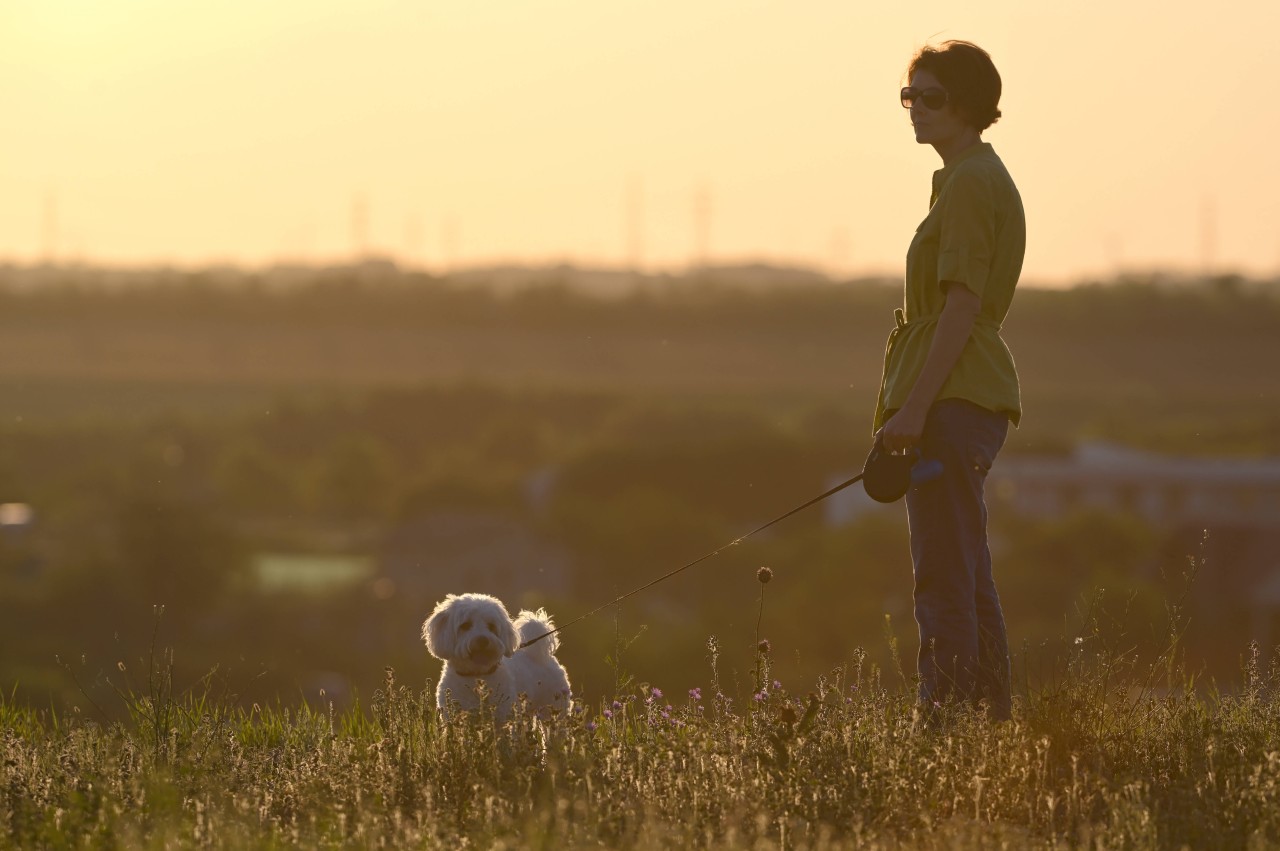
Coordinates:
<point>888,476</point>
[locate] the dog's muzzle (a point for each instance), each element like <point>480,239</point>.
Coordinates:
<point>481,658</point>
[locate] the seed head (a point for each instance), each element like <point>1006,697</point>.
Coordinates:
<point>764,574</point>
<point>763,646</point>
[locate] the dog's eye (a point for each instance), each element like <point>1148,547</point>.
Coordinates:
<point>493,627</point>
<point>464,626</point>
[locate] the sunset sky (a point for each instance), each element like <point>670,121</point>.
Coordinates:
<point>451,133</point>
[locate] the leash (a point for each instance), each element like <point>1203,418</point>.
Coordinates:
<point>732,543</point>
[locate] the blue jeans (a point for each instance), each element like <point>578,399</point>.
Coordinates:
<point>964,650</point>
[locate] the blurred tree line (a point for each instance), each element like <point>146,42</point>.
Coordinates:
<point>175,508</point>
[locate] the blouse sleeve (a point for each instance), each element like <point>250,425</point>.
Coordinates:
<point>968,237</point>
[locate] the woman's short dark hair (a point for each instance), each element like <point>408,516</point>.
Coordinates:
<point>969,76</point>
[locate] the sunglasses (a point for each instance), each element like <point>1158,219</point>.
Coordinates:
<point>931,98</point>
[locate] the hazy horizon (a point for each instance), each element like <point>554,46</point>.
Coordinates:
<point>659,135</point>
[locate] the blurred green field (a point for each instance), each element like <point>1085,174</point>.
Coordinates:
<point>173,437</point>
<point>1151,363</point>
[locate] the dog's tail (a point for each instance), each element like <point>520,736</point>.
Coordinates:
<point>530,625</point>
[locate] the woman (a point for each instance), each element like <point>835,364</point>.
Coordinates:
<point>950,388</point>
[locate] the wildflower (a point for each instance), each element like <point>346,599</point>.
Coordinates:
<point>777,686</point>
<point>760,695</point>
<point>591,726</point>
<point>608,713</point>
<point>695,694</point>
<point>764,574</point>
<point>617,705</point>
<point>657,692</point>
<point>764,646</point>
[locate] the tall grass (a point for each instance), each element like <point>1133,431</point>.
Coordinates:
<point>1096,757</point>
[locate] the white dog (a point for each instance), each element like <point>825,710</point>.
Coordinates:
<point>479,643</point>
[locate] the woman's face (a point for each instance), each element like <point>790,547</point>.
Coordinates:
<point>934,126</point>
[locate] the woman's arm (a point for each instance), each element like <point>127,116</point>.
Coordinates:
<point>904,428</point>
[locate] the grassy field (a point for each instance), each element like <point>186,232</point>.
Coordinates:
<point>163,432</point>
<point>1100,755</point>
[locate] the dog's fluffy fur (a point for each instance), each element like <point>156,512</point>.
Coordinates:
<point>480,646</point>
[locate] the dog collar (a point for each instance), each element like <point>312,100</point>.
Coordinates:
<point>481,673</point>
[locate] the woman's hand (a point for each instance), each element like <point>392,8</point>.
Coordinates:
<point>902,431</point>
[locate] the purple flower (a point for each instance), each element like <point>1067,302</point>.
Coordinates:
<point>777,686</point>
<point>617,705</point>
<point>695,694</point>
<point>759,696</point>
<point>591,726</point>
<point>608,713</point>
<point>657,692</point>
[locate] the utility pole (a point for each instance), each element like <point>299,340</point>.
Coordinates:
<point>701,226</point>
<point>1208,238</point>
<point>449,243</point>
<point>49,228</point>
<point>359,227</point>
<point>840,246</point>
<point>413,240</point>
<point>633,223</point>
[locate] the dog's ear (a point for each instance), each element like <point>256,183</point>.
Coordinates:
<point>436,627</point>
<point>511,636</point>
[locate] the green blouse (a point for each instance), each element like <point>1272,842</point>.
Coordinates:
<point>975,234</point>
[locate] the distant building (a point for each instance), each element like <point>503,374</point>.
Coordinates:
<point>20,557</point>
<point>1166,491</point>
